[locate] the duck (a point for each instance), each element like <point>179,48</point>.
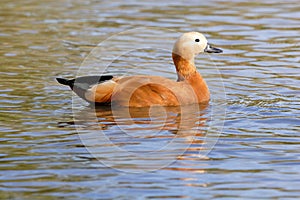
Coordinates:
<point>147,90</point>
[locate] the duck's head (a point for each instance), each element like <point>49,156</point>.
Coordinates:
<point>192,43</point>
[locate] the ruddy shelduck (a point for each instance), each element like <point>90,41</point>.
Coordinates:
<point>145,90</point>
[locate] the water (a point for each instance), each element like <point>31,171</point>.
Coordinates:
<point>43,155</point>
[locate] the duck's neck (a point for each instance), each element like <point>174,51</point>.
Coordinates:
<point>185,68</point>
<point>186,71</point>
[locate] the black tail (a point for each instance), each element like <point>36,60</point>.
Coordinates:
<point>64,81</point>
<point>81,84</point>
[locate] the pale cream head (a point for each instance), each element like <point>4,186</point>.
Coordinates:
<point>188,45</point>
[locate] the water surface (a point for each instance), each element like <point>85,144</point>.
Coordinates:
<point>257,154</point>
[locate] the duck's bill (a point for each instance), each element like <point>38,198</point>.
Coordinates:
<point>210,49</point>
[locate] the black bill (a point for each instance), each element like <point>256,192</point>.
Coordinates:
<point>210,49</point>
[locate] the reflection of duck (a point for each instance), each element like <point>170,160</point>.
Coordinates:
<point>145,138</point>
<point>143,91</point>
<point>186,120</point>
<point>182,120</point>
<point>185,126</point>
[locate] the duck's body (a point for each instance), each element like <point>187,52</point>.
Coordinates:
<point>143,91</point>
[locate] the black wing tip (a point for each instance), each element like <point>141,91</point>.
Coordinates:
<point>63,81</point>
<point>90,80</point>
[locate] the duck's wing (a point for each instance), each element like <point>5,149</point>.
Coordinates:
<point>143,91</point>
<point>85,87</point>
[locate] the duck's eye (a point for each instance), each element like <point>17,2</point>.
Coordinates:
<point>197,40</point>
